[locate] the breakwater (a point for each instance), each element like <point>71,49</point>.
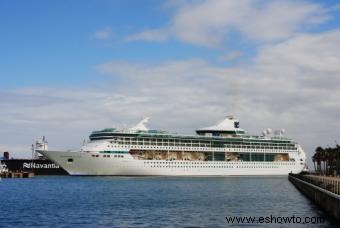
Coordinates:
<point>324,191</point>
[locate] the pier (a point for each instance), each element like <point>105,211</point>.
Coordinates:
<point>17,175</point>
<point>322,190</point>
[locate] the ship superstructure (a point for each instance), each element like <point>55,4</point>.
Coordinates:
<point>222,149</point>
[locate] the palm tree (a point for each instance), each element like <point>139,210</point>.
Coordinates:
<point>318,156</point>
<point>327,160</point>
<point>314,160</point>
<point>337,159</point>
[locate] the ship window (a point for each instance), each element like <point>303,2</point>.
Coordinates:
<point>70,160</point>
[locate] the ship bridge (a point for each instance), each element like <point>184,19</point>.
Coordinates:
<point>226,128</point>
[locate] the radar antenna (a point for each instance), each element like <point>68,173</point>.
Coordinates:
<point>279,133</point>
<point>266,132</point>
<point>282,131</point>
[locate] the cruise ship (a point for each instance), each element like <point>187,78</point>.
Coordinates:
<point>220,150</point>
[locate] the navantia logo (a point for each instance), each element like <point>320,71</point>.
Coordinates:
<point>40,166</point>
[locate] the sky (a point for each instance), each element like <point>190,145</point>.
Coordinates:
<point>70,67</point>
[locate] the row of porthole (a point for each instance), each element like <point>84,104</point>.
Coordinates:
<point>247,167</point>
<point>107,156</point>
<point>114,152</point>
<point>193,163</point>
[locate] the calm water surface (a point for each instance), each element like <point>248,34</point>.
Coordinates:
<point>150,201</point>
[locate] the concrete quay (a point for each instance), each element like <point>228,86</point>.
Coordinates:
<point>324,191</point>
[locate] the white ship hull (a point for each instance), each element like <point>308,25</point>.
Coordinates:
<point>221,150</point>
<point>83,163</point>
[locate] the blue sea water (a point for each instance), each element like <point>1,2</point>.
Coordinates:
<point>65,201</point>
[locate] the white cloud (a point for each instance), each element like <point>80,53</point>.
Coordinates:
<point>231,56</point>
<point>317,52</point>
<point>208,23</point>
<point>104,34</point>
<point>150,35</point>
<point>293,85</point>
